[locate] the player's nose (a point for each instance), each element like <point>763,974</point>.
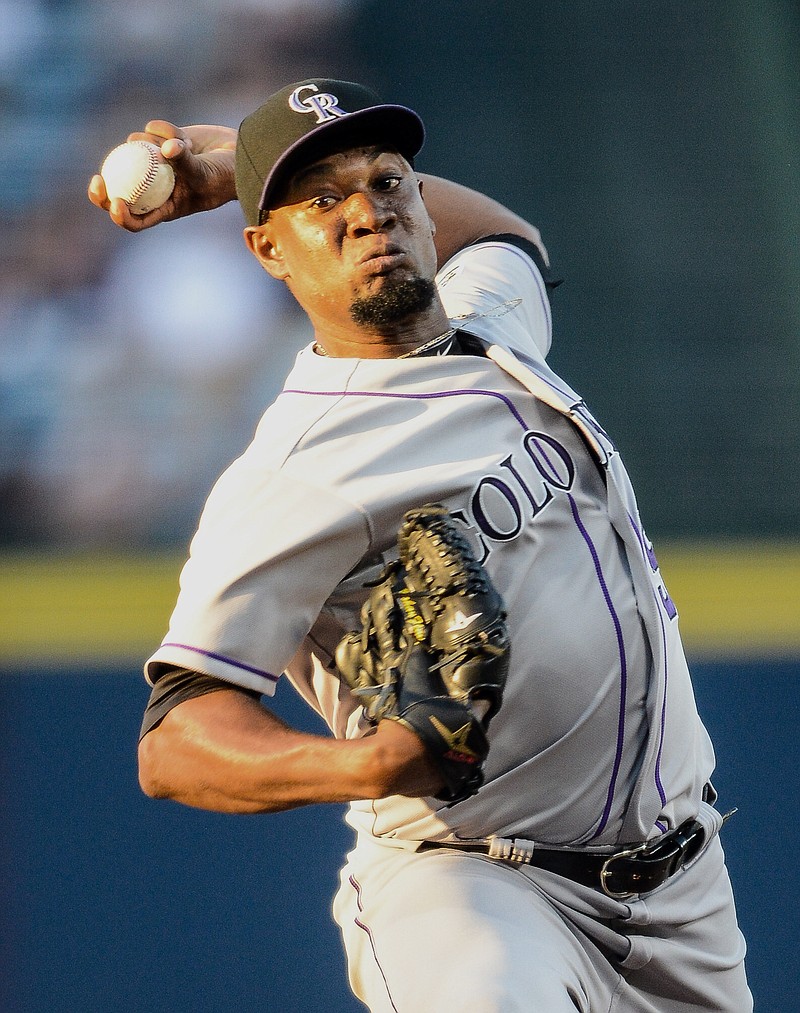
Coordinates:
<point>366,212</point>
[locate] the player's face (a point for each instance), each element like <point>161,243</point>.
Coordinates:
<point>352,239</point>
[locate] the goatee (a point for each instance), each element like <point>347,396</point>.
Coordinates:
<point>394,302</point>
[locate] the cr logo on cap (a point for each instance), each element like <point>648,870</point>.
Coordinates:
<point>324,105</point>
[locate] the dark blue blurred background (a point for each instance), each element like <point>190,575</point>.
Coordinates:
<point>115,902</point>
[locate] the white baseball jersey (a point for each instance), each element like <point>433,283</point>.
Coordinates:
<point>598,739</point>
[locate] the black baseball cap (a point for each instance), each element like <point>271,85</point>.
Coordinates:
<point>306,121</point>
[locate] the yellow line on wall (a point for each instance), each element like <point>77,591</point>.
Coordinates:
<point>85,607</point>
<point>735,600</point>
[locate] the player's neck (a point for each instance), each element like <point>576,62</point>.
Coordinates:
<point>390,342</point>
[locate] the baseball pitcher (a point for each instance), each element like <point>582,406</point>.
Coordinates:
<point>435,541</point>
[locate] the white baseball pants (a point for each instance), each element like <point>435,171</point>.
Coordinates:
<point>443,930</point>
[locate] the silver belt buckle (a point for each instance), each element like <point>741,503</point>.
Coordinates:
<point>605,872</point>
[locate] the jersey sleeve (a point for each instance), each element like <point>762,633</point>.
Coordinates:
<point>269,550</point>
<point>496,285</point>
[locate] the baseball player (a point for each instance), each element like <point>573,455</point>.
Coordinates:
<point>539,838</point>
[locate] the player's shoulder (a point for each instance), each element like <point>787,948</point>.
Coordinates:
<point>497,288</point>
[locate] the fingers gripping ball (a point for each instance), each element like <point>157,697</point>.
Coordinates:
<point>137,172</point>
<point>433,649</point>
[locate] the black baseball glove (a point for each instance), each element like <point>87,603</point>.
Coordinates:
<point>433,649</point>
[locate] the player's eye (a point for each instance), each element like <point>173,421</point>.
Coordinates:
<point>323,202</point>
<point>388,183</point>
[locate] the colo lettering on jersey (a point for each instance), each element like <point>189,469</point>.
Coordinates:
<point>501,505</point>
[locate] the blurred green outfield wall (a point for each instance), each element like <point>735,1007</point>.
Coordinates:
<point>657,146</point>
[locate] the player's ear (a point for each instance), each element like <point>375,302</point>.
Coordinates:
<point>422,195</point>
<point>266,250</point>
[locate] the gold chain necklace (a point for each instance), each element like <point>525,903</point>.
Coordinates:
<point>429,346</point>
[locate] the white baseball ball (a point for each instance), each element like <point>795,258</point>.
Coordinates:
<point>136,172</point>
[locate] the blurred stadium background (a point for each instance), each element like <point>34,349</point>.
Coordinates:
<point>658,149</point>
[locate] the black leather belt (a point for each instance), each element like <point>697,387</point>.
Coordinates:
<point>620,874</point>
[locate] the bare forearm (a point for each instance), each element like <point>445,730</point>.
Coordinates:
<point>462,216</point>
<point>227,753</point>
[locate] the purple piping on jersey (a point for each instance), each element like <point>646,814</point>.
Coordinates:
<point>657,775</point>
<point>227,661</point>
<point>365,928</point>
<point>623,666</point>
<point>662,731</point>
<point>416,397</point>
<point>621,646</point>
